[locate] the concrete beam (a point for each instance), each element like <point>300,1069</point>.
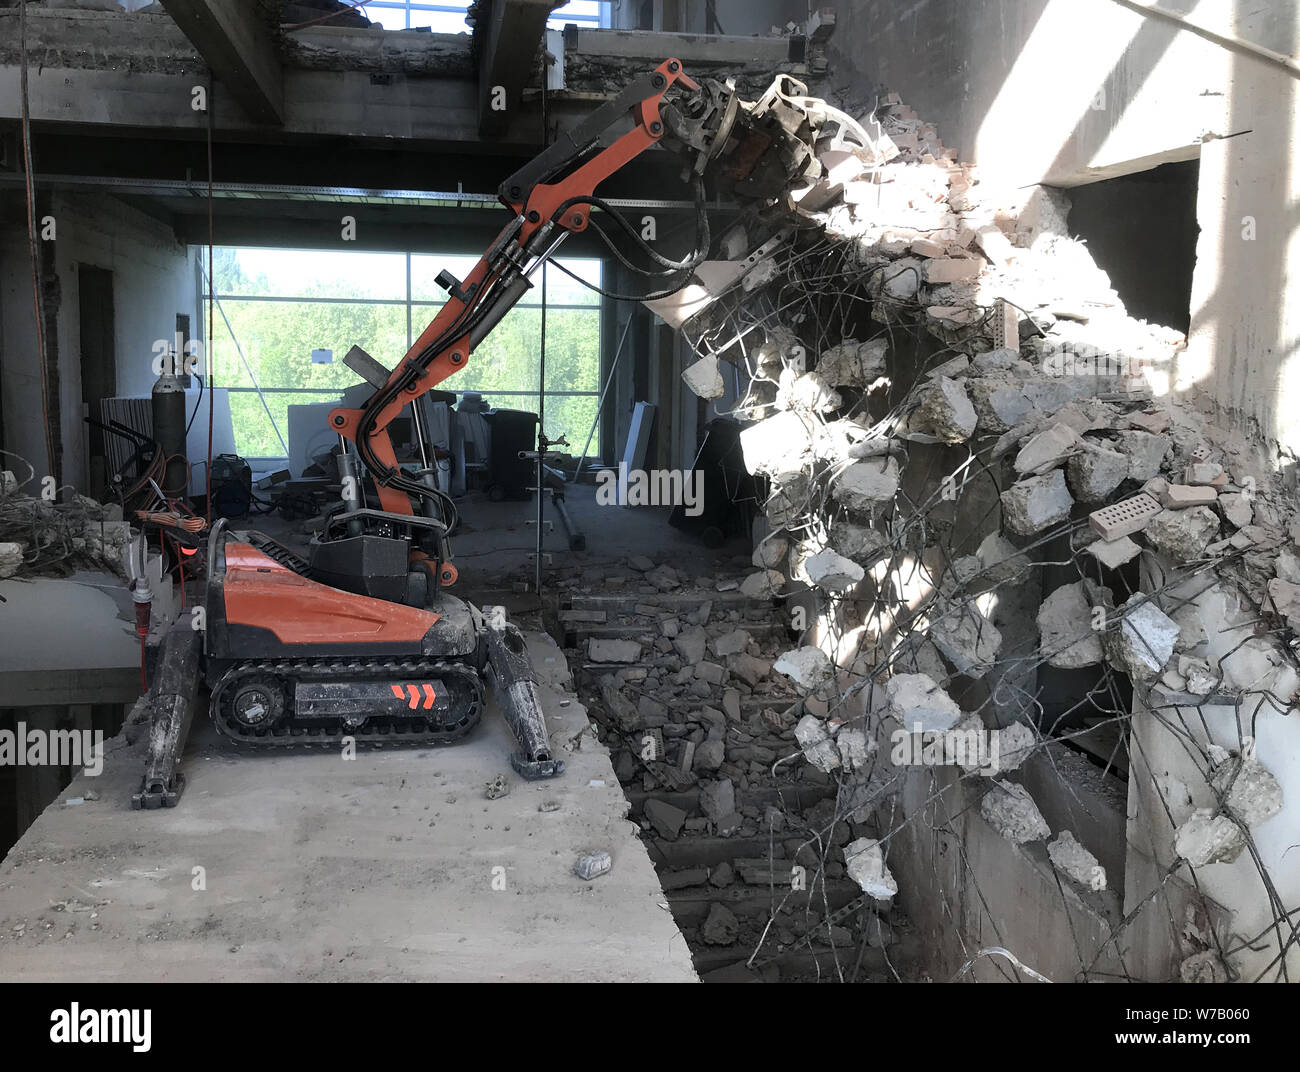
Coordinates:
<point>237,45</point>
<point>508,34</point>
<point>434,111</point>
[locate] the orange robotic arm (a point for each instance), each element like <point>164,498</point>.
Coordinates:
<point>547,210</point>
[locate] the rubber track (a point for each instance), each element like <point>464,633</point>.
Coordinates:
<point>291,670</point>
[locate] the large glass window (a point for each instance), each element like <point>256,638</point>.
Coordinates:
<point>450,17</point>
<point>277,306</point>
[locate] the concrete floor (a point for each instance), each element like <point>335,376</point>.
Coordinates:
<point>316,868</point>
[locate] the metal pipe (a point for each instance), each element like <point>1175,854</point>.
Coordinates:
<point>600,403</point>
<point>577,540</point>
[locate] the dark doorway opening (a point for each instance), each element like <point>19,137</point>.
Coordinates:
<point>1141,230</point>
<point>98,363</point>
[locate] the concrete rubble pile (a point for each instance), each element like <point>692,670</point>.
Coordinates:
<point>986,345</point>
<point>685,677</point>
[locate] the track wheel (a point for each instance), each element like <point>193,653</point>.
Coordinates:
<point>257,703</point>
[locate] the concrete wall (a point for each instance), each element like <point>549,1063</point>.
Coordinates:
<point>154,278</point>
<point>1064,93</point>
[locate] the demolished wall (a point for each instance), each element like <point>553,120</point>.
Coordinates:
<point>979,484</point>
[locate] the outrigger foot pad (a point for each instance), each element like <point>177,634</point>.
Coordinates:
<point>515,688</point>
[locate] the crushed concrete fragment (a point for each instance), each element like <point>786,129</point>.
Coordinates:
<point>832,571</point>
<point>967,639</point>
<point>704,379</point>
<point>807,667</point>
<point>1036,503</point>
<point>1144,641</point>
<point>1076,862</point>
<point>1095,472</point>
<point>593,865</point>
<point>763,585</point>
<point>1114,553</point>
<point>608,650</point>
<point>718,798</point>
<point>1206,838</point>
<point>1183,534</point>
<point>1255,795</point>
<point>1145,452</point>
<point>865,864</point>
<point>1065,627</point>
<point>1011,811</point>
<point>919,705</point>
<point>720,927</point>
<point>770,552</point>
<point>1046,449</point>
<point>815,740</point>
<point>945,411</point>
<point>665,818</point>
<point>868,484</point>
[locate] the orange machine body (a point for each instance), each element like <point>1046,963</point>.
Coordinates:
<point>262,593</point>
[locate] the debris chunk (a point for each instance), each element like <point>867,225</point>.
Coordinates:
<point>807,667</point>
<point>1183,534</point>
<point>592,865</point>
<point>1145,639</point>
<point>865,864</point>
<point>919,705</point>
<point>1037,503</point>
<point>1206,838</point>
<point>1076,862</point>
<point>1065,628</point>
<point>1011,811</point>
<point>815,740</point>
<point>832,571</point>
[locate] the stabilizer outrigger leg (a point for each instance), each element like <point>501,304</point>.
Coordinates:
<point>515,687</point>
<point>171,702</point>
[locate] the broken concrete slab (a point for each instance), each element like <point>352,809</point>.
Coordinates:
<point>865,864</point>
<point>832,571</point>
<point>815,741</point>
<point>919,705</point>
<point>1094,472</point>
<point>1032,505</point>
<point>808,667</point>
<point>1011,811</point>
<point>1145,450</point>
<point>944,411</point>
<point>704,379</point>
<point>967,639</point>
<point>1065,627</point>
<point>691,644</point>
<point>862,544</point>
<point>1145,639</point>
<point>730,643</point>
<point>854,364</point>
<point>867,485</point>
<point>1114,553</point>
<point>1206,838</point>
<point>1046,449</point>
<point>665,818</point>
<point>763,585</point>
<point>1076,862</point>
<point>610,650</point>
<point>1183,534</point>
<point>720,927</point>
